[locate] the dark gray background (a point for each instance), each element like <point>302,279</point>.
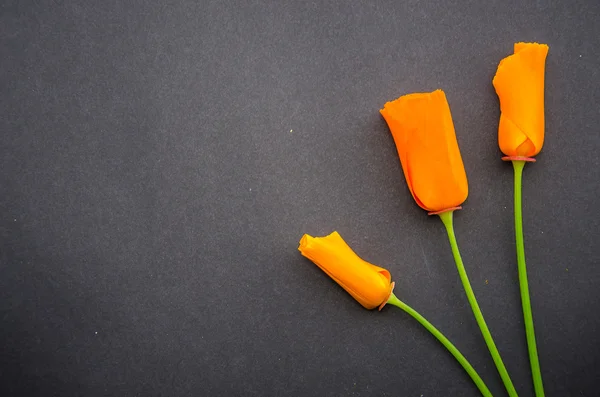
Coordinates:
<point>161,160</point>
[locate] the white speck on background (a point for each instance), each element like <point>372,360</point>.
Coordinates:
<point>96,332</point>
<point>293,130</point>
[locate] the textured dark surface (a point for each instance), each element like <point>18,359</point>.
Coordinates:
<point>159,162</point>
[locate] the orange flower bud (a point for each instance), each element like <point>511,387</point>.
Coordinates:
<point>519,83</point>
<point>370,285</point>
<point>422,127</point>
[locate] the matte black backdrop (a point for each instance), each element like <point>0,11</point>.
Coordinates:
<point>161,160</point>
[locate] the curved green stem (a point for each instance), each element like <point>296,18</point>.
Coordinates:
<point>393,300</point>
<point>529,331</point>
<point>446,218</point>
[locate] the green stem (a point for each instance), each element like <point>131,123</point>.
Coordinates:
<point>446,218</point>
<point>529,331</point>
<point>393,300</point>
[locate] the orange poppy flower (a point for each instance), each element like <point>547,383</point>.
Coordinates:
<point>422,127</point>
<point>370,285</point>
<point>519,83</point>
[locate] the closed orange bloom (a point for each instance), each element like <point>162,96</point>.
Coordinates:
<point>370,285</point>
<point>422,127</point>
<point>519,83</point>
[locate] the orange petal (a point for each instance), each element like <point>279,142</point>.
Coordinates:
<point>423,131</point>
<point>519,83</point>
<point>370,285</point>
